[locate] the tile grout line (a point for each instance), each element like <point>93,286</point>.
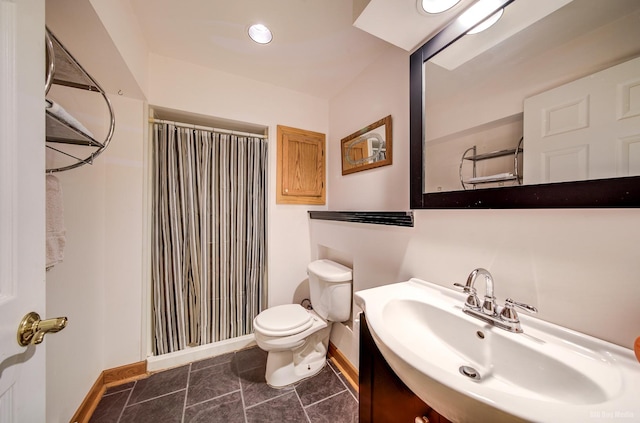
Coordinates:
<point>211,399</point>
<point>186,393</point>
<point>326,398</point>
<point>208,367</point>
<point>304,410</point>
<point>244,407</point>
<point>155,398</point>
<point>114,392</point>
<point>342,379</point>
<point>270,399</point>
<point>127,401</point>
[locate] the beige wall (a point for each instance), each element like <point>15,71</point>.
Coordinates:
<point>190,88</point>
<point>579,267</point>
<point>121,23</point>
<point>382,90</point>
<point>99,285</point>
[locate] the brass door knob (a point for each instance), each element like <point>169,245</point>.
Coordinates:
<point>32,330</point>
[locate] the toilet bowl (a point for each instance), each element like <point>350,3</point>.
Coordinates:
<point>297,339</point>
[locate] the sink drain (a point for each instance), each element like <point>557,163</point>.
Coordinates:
<point>469,372</point>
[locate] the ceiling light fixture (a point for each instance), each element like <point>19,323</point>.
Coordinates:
<point>477,16</point>
<point>260,34</point>
<point>437,6</point>
<point>490,21</point>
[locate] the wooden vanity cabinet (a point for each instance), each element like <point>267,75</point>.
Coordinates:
<point>384,398</point>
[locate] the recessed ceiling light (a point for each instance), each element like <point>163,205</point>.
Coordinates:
<point>437,6</point>
<point>260,34</point>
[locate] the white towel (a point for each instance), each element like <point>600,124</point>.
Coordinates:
<point>62,114</point>
<point>56,231</point>
<point>497,177</point>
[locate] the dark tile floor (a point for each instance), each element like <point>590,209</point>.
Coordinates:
<point>229,388</point>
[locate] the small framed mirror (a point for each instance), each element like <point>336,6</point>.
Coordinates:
<point>368,148</point>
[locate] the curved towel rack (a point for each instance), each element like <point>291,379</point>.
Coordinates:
<point>62,134</point>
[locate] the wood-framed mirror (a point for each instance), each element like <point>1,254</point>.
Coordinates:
<point>368,148</point>
<point>612,29</point>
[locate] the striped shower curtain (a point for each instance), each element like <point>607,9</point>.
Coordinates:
<point>208,235</point>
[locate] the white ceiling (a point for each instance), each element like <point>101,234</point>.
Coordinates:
<point>316,49</point>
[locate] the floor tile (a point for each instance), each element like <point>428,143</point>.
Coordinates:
<point>218,391</point>
<point>343,379</point>
<point>225,409</point>
<point>341,408</point>
<point>160,383</point>
<point>249,359</point>
<point>110,407</point>
<point>284,409</point>
<point>255,388</point>
<point>213,361</point>
<point>165,409</point>
<point>211,382</point>
<point>119,388</point>
<point>321,386</point>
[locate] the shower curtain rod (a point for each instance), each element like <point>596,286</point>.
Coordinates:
<point>207,128</point>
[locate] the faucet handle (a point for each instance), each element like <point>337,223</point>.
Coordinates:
<point>508,313</point>
<point>465,288</point>
<point>472,300</point>
<point>523,306</point>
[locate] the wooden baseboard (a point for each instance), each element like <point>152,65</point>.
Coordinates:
<point>124,374</point>
<point>107,378</point>
<point>86,409</point>
<point>346,368</point>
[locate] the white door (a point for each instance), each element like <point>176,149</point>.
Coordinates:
<point>22,206</point>
<point>586,129</point>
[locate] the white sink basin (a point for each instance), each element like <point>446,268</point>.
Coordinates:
<point>546,374</point>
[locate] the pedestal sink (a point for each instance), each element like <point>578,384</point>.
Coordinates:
<point>470,371</point>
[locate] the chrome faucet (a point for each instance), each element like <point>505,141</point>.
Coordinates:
<point>502,317</point>
<point>489,303</point>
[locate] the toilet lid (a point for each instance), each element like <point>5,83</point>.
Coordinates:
<point>284,320</point>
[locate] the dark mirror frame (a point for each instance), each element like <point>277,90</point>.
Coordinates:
<point>614,192</point>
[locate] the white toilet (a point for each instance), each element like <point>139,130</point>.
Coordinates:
<point>296,338</point>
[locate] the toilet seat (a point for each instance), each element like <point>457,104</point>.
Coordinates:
<point>283,320</point>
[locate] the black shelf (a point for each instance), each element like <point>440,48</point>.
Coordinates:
<point>401,218</point>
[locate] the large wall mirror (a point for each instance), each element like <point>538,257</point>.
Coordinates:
<point>542,109</point>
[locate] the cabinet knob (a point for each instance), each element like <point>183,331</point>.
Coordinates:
<point>422,419</point>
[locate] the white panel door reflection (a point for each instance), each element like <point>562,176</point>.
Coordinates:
<point>586,129</point>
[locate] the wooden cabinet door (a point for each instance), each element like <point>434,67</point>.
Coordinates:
<point>300,169</point>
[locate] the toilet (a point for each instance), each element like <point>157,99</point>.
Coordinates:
<point>297,339</point>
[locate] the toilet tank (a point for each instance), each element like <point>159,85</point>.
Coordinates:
<point>330,287</point>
